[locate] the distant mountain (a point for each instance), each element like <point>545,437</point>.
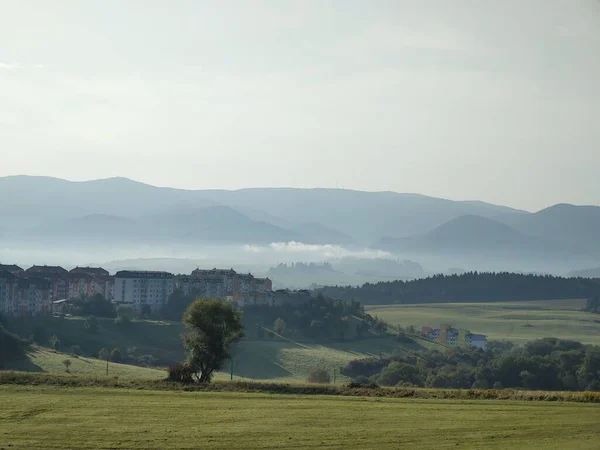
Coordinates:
<point>363,216</point>
<point>93,226</point>
<point>320,234</point>
<point>406,224</point>
<point>575,228</point>
<point>469,234</point>
<point>215,224</point>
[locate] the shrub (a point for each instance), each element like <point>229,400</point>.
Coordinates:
<point>67,364</point>
<point>318,376</point>
<point>180,373</point>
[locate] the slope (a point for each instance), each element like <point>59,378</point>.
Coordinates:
<point>470,234</point>
<point>576,228</point>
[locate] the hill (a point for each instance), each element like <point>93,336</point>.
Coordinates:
<point>518,322</point>
<point>469,234</point>
<point>576,228</point>
<point>468,287</point>
<point>363,216</point>
<point>40,359</point>
<point>159,344</point>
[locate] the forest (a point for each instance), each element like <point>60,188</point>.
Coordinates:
<point>468,287</point>
<point>546,364</point>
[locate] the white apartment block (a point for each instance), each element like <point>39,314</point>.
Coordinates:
<point>140,288</point>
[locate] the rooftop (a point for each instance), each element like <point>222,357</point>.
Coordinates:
<point>142,274</point>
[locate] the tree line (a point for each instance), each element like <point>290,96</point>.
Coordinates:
<point>468,287</point>
<point>546,364</point>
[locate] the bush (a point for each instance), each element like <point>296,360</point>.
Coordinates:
<point>180,373</point>
<point>318,376</point>
<point>67,364</point>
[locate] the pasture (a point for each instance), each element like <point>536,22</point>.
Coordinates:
<point>518,322</point>
<point>53,417</point>
<point>277,359</point>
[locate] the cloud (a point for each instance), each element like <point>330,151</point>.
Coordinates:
<point>314,251</point>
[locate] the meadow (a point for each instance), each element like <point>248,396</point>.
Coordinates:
<point>277,359</point>
<point>518,322</point>
<point>51,417</point>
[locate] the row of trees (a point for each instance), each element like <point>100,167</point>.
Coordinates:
<point>545,364</point>
<point>469,287</point>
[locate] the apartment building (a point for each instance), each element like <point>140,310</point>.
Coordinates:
<point>8,284</point>
<point>140,288</point>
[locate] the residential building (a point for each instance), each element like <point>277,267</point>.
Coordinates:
<point>55,270</point>
<point>141,288</point>
<point>11,268</point>
<point>8,284</point>
<point>446,335</point>
<point>91,271</point>
<point>34,297</point>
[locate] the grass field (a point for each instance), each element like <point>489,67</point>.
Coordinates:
<point>286,360</point>
<point>275,359</point>
<point>41,359</point>
<point>99,418</point>
<point>502,321</point>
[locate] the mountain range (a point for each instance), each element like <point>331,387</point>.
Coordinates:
<point>41,209</point>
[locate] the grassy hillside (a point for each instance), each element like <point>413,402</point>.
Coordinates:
<point>514,321</point>
<point>275,359</point>
<point>94,418</point>
<point>288,360</point>
<point>41,359</point>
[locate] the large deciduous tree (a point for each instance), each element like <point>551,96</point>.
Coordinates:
<point>213,327</point>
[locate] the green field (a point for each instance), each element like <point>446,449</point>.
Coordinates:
<point>514,321</point>
<point>277,359</point>
<point>99,418</point>
<point>40,359</point>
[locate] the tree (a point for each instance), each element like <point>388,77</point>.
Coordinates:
<point>54,342</point>
<point>91,324</point>
<point>115,355</point>
<point>104,354</point>
<point>279,326</point>
<point>214,326</point>
<point>318,376</point>
<point>75,350</point>
<point>67,364</point>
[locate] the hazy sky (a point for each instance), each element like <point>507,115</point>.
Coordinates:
<point>492,100</point>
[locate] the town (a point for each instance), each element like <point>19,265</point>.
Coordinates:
<point>40,290</point>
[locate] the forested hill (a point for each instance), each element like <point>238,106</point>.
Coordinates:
<point>468,287</point>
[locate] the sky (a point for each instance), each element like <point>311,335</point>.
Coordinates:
<point>470,99</point>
